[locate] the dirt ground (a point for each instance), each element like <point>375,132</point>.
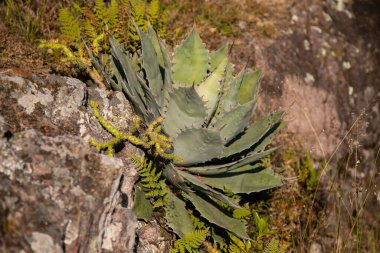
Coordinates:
<point>321,64</point>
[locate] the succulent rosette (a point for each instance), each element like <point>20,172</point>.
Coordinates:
<point>207,115</point>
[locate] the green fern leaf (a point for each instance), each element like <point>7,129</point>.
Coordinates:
<point>70,27</point>
<point>190,242</point>
<point>89,29</point>
<point>153,11</point>
<point>273,247</point>
<point>198,223</point>
<point>113,15</point>
<point>138,8</point>
<point>237,244</point>
<point>101,13</point>
<point>154,188</point>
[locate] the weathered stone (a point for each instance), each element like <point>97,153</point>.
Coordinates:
<point>57,194</point>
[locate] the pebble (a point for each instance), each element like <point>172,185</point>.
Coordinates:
<point>309,78</point>
<point>306,45</point>
<point>315,248</point>
<point>346,65</point>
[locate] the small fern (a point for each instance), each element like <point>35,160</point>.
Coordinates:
<point>237,245</point>
<point>151,181</point>
<point>274,247</point>
<point>153,10</point>
<point>190,243</point>
<point>92,25</point>
<point>70,27</point>
<point>113,14</point>
<point>101,13</point>
<point>198,223</point>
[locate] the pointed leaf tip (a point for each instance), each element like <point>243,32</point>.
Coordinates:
<point>190,61</point>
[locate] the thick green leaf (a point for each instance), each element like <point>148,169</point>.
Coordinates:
<point>229,98</point>
<point>165,64</point>
<point>209,169</point>
<point>107,79</point>
<point>249,87</point>
<point>190,61</point>
<point>172,174</point>
<point>133,89</point>
<point>117,72</point>
<point>126,67</point>
<point>253,134</point>
<point>256,180</point>
<point>135,61</point>
<point>209,90</point>
<point>142,208</point>
<point>267,139</point>
<point>151,102</point>
<point>228,77</point>
<point>151,66</point>
<point>216,57</point>
<point>234,122</point>
<point>177,216</point>
<point>184,110</point>
<point>156,43</point>
<point>197,145</point>
<point>210,210</point>
<point>199,186</point>
<point>226,86</point>
<point>251,158</point>
<point>119,78</point>
<point>229,167</point>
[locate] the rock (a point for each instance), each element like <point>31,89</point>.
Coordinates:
<point>43,243</point>
<point>57,194</point>
<point>315,248</point>
<point>312,114</point>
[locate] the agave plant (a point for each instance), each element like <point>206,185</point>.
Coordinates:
<point>212,146</point>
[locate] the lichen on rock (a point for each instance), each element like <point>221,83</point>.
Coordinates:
<point>57,193</point>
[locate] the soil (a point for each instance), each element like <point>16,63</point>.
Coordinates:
<point>320,61</point>
<point>321,64</point>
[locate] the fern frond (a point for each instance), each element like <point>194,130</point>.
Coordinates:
<point>138,161</point>
<point>101,12</point>
<point>153,10</point>
<point>89,29</point>
<point>274,247</point>
<point>77,8</point>
<point>190,242</point>
<point>198,223</point>
<point>113,15</point>
<point>237,245</point>
<point>155,189</point>
<point>137,7</point>
<point>70,27</point>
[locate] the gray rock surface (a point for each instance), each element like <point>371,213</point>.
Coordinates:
<point>57,194</point>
